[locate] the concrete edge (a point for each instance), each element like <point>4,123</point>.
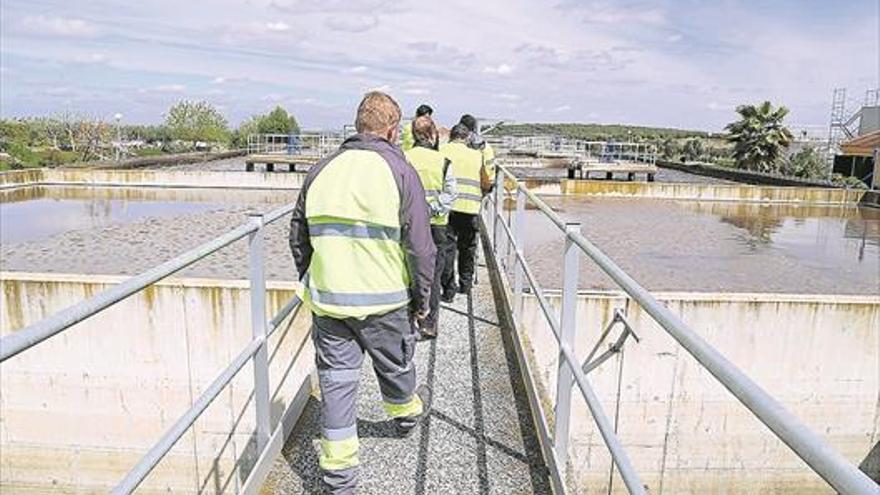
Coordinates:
<point>512,336</point>
<point>116,279</point>
<point>781,297</point>
<point>254,482</point>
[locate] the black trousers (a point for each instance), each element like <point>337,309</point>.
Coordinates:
<point>462,232</point>
<point>444,259</point>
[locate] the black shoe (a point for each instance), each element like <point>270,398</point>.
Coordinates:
<point>448,297</point>
<point>464,288</point>
<point>406,425</point>
<point>426,333</point>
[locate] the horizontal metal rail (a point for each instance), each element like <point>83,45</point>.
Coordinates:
<point>166,443</point>
<point>813,450</point>
<point>66,318</point>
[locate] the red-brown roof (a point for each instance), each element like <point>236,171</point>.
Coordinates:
<point>862,145</point>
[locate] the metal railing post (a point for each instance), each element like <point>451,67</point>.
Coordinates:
<point>499,209</point>
<point>258,326</point>
<point>567,333</point>
<point>519,238</point>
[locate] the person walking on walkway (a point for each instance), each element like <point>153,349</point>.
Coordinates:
<point>440,189</point>
<point>407,140</point>
<point>473,179</point>
<point>361,241</point>
<point>476,141</point>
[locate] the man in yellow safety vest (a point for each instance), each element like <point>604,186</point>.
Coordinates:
<point>361,241</point>
<point>440,189</point>
<point>473,179</point>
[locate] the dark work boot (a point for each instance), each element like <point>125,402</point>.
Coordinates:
<point>427,333</point>
<point>405,426</point>
<point>464,288</point>
<point>448,296</point>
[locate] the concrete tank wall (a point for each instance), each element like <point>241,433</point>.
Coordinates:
<point>78,411</point>
<point>713,192</point>
<point>60,176</point>
<point>819,355</point>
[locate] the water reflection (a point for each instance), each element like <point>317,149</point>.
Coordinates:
<point>37,212</point>
<point>718,246</point>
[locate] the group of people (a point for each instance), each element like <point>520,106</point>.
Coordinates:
<point>455,175</point>
<point>374,236</point>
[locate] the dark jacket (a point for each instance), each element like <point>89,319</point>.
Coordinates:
<point>415,225</point>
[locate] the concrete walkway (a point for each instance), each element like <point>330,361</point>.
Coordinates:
<point>479,437</point>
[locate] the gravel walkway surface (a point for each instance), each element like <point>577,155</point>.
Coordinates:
<point>479,436</point>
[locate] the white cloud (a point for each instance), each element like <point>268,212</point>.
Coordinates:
<point>167,88</point>
<point>359,69</point>
<point>218,80</point>
<point>507,96</point>
<point>674,38</point>
<point>385,88</point>
<point>417,91</point>
<point>278,27</point>
<point>561,108</point>
<point>90,58</point>
<point>718,107</point>
<point>501,70</point>
<point>352,23</point>
<point>58,26</point>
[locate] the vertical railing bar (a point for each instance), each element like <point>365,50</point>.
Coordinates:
<point>567,332</point>
<point>499,208</point>
<point>519,253</point>
<point>258,327</point>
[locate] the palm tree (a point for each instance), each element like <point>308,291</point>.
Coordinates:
<point>759,137</point>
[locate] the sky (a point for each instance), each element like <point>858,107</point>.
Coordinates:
<point>682,63</point>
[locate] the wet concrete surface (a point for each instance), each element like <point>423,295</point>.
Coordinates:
<point>716,246</point>
<point>112,231</point>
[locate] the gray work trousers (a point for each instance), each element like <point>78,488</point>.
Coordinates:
<point>339,353</point>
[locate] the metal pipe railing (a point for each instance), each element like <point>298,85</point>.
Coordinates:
<point>814,451</point>
<point>255,351</point>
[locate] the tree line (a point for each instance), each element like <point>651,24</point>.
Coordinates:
<point>71,137</point>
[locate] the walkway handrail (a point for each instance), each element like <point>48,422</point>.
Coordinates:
<point>813,450</point>
<point>256,348</point>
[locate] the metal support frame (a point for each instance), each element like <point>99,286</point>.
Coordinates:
<point>567,334</point>
<point>589,363</point>
<point>258,327</point>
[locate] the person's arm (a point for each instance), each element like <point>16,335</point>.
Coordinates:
<point>450,190</point>
<point>300,243</point>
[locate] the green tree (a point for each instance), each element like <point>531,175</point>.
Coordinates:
<point>759,138</point>
<point>806,163</point>
<point>197,121</point>
<point>278,121</point>
<point>693,150</point>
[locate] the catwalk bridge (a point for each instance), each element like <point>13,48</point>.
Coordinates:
<point>498,424</point>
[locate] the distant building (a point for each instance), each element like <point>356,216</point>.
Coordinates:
<point>859,158</point>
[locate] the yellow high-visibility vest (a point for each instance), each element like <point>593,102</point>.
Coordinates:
<point>407,140</point>
<point>466,166</point>
<point>358,267</point>
<point>429,165</point>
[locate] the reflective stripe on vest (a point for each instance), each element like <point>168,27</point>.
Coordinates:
<point>358,267</point>
<point>429,165</point>
<point>466,165</point>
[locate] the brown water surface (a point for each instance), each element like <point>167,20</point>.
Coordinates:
<point>716,246</point>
